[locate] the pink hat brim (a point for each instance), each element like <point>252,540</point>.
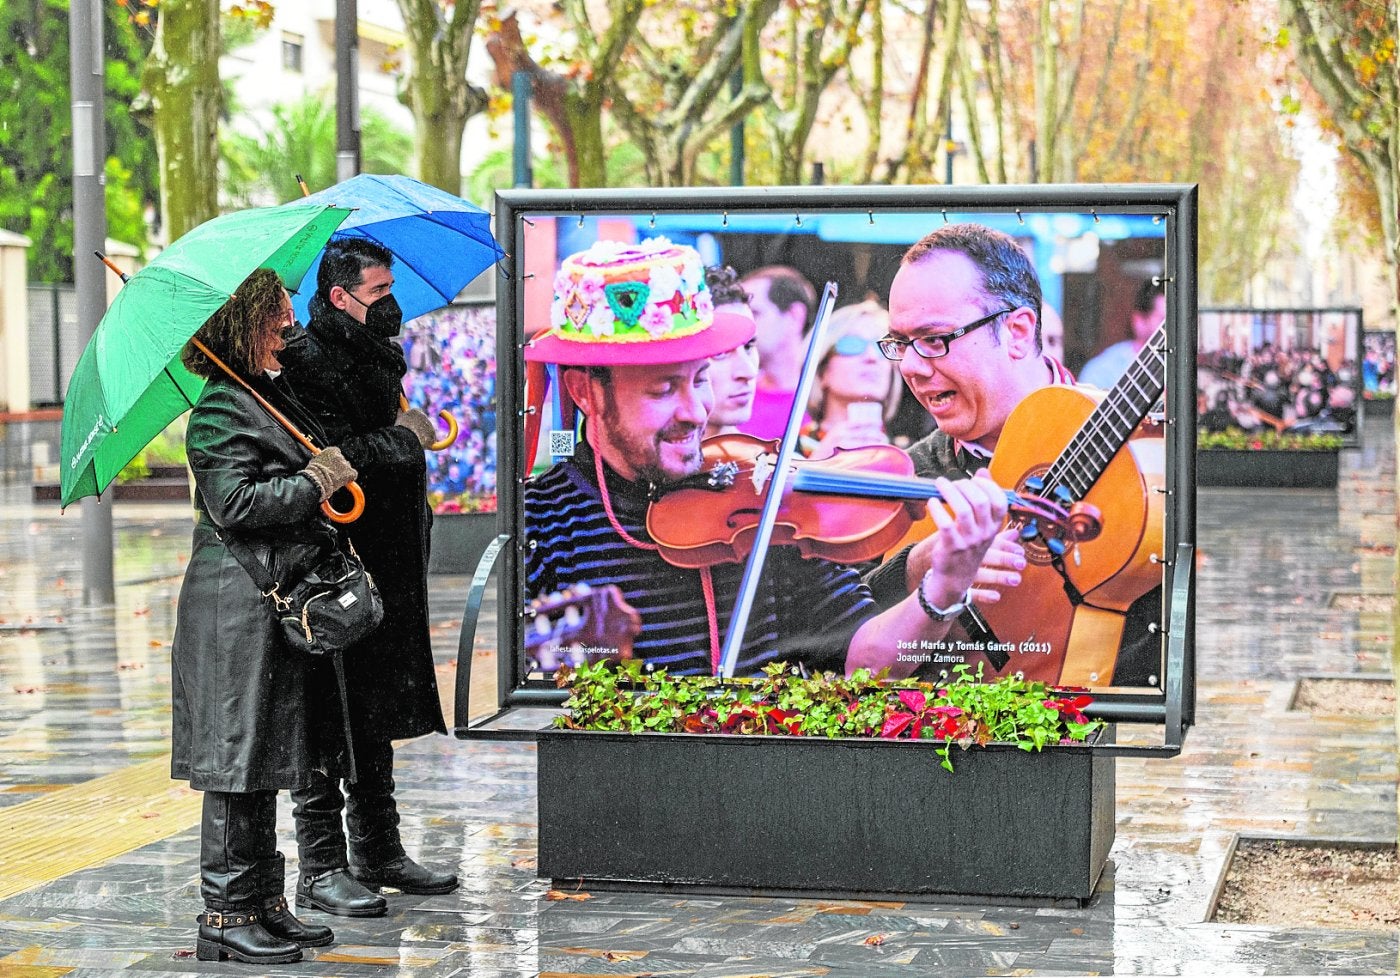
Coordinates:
<point>724,334</point>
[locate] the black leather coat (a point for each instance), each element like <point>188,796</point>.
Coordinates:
<point>351,382</point>
<point>248,714</point>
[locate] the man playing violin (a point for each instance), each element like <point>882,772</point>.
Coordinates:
<point>632,334</point>
<point>965,330</point>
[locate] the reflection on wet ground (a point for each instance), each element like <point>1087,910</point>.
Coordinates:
<point>86,694</point>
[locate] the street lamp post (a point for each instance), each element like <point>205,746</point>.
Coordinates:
<point>347,89</point>
<point>87,76</point>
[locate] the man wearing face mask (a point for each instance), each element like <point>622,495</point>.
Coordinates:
<point>349,370</point>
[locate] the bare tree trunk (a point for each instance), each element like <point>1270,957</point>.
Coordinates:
<point>874,104</point>
<point>437,90</point>
<point>181,78</point>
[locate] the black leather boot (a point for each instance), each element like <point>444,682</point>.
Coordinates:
<point>277,919</point>
<point>406,876</point>
<point>337,892</point>
<point>240,935</point>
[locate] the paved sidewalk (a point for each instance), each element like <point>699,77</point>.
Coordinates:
<point>85,695</point>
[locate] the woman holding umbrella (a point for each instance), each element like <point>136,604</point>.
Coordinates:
<point>249,718</point>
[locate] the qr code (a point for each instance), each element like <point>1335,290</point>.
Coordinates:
<point>561,443</point>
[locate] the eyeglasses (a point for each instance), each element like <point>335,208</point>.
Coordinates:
<point>933,347</point>
<point>852,345</point>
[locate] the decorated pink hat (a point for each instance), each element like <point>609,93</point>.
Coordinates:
<point>623,304</point>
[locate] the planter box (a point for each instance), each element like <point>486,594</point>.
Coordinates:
<point>1378,407</point>
<point>815,817</point>
<point>458,540</point>
<point>1293,470</point>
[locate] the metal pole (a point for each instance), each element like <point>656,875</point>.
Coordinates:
<point>521,89</point>
<point>347,89</point>
<point>86,75</point>
<point>736,134</point>
<point>948,146</point>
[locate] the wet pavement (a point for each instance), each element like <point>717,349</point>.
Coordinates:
<point>84,695</point>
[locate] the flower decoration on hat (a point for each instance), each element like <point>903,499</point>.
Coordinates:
<point>627,303</point>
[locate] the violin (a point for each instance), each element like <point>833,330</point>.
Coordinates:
<point>849,508</point>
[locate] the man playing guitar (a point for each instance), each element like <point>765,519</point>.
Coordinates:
<point>965,329</point>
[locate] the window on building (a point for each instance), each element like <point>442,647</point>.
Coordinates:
<point>291,52</point>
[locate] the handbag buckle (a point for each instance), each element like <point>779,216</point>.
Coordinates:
<point>279,602</point>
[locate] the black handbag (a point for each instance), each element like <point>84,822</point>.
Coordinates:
<point>334,605</point>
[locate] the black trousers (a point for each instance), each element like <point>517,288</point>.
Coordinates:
<point>237,839</point>
<point>371,819</point>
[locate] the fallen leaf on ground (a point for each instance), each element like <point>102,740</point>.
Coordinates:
<point>875,940</point>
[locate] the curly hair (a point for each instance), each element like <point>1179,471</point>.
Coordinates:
<point>234,333</point>
<point>724,285</point>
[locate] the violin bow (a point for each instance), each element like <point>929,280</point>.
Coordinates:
<point>777,482</point>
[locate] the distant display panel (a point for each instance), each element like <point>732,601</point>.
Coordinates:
<point>451,357</point>
<point>1285,371</point>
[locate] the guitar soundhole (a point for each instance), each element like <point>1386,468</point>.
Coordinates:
<point>1036,551</point>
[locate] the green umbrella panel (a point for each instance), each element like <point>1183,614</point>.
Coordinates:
<point>129,383</point>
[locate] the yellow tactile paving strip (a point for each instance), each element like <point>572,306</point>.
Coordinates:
<point>87,824</point>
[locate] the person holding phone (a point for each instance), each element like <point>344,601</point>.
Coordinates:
<point>857,390</point>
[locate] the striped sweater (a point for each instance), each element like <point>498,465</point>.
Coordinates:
<point>805,611</point>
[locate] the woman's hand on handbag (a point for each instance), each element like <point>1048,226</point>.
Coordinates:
<point>330,471</point>
<point>418,423</point>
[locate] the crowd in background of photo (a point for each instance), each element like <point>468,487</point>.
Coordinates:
<point>452,367</point>
<point>1287,370</point>
<point>1378,365</point>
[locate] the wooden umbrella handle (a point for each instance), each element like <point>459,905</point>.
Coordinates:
<point>452,427</point>
<point>357,495</point>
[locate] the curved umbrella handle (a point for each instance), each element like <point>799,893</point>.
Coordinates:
<point>452,427</point>
<point>356,493</point>
<point>356,507</point>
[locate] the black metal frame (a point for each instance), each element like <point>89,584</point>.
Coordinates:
<point>1354,440</point>
<point>1174,203</point>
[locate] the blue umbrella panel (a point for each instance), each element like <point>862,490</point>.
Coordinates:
<point>440,242</point>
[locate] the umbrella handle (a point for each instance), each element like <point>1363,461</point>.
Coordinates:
<point>452,427</point>
<point>356,493</point>
<point>356,508</point>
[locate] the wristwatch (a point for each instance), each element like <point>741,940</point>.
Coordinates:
<point>942,614</point>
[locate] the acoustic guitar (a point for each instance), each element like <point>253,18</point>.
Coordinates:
<point>577,625</point>
<point>1065,621</point>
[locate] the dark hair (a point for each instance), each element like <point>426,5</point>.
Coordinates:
<point>234,333</point>
<point>1008,277</point>
<point>786,286</point>
<point>345,261</point>
<point>1147,293</point>
<point>724,285</point>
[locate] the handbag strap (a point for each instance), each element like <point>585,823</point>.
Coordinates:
<point>261,576</point>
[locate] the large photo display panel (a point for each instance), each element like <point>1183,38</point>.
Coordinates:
<point>645,560</point>
<point>1286,371</point>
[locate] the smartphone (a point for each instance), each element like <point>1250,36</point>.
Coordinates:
<point>866,414</point>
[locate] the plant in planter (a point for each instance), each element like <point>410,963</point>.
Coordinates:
<point>465,502</point>
<point>1233,439</point>
<point>965,710</point>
